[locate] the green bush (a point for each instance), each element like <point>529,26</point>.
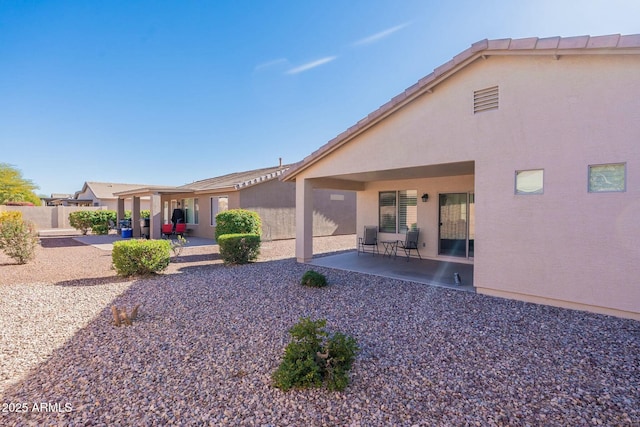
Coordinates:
<point>103,217</point>
<point>140,257</point>
<point>238,221</point>
<point>239,248</point>
<point>313,279</point>
<point>18,239</point>
<point>100,221</point>
<point>100,229</point>
<point>313,356</point>
<point>81,220</point>
<point>96,221</point>
<point>341,351</point>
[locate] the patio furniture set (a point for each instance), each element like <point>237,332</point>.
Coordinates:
<point>369,243</point>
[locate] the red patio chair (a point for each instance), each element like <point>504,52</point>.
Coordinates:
<point>167,230</point>
<point>181,228</point>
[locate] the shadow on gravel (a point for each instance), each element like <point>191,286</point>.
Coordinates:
<point>94,281</point>
<point>184,259</point>
<point>59,242</point>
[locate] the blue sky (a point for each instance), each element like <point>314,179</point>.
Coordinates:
<point>169,92</point>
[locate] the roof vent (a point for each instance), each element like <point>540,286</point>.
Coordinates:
<point>485,99</point>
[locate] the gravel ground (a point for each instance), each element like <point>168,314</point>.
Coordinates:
<point>208,338</point>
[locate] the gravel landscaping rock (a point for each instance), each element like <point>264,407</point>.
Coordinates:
<point>209,336</point>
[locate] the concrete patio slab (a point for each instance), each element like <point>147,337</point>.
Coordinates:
<point>106,242</point>
<point>427,271</point>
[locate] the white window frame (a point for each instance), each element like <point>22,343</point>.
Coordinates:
<point>215,207</point>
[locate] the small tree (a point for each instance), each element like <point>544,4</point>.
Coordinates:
<point>15,188</point>
<point>81,220</point>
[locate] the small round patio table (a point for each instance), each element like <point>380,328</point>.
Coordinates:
<point>390,248</point>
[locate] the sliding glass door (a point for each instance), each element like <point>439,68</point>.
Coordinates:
<point>457,224</point>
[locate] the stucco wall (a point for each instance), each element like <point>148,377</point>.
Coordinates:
<point>274,201</point>
<point>566,246</point>
<point>48,217</point>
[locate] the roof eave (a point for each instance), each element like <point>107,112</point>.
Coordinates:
<point>147,191</point>
<point>223,189</point>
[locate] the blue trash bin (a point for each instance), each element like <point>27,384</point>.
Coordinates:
<point>127,233</point>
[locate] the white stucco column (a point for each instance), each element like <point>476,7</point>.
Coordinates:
<point>156,217</point>
<point>304,220</point>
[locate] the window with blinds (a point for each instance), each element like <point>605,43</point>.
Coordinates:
<point>387,212</point>
<point>398,211</point>
<point>407,210</point>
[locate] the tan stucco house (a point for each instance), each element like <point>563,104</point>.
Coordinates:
<point>521,157</point>
<point>259,190</point>
<point>104,194</point>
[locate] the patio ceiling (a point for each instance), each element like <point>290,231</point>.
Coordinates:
<point>356,180</point>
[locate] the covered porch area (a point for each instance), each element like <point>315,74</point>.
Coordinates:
<point>426,271</point>
<point>437,200</point>
<point>155,194</point>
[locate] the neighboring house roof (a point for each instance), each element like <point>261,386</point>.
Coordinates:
<point>554,46</point>
<point>106,190</point>
<point>232,181</point>
<point>236,180</point>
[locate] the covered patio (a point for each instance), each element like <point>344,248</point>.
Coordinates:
<point>426,271</point>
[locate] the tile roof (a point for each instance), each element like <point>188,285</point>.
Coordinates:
<point>237,180</point>
<point>106,190</point>
<point>556,46</point>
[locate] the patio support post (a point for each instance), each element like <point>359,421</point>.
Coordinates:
<point>304,220</point>
<point>120,212</point>
<point>135,216</point>
<point>156,217</point>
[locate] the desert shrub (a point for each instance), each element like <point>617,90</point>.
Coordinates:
<point>340,353</point>
<point>103,217</point>
<point>313,356</point>
<point>177,245</point>
<point>140,257</point>
<point>239,248</point>
<point>81,220</point>
<point>18,239</point>
<point>100,221</point>
<point>100,229</point>
<point>238,221</point>
<point>313,279</point>
<point>15,215</point>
